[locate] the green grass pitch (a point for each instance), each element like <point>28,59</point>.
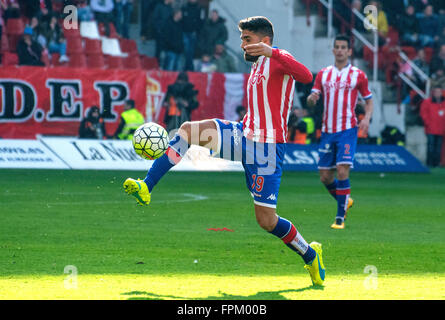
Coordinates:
<point>77,235</point>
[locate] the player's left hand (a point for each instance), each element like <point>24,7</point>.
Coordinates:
<point>364,125</point>
<point>259,49</point>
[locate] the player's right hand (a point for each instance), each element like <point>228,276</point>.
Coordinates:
<point>313,98</point>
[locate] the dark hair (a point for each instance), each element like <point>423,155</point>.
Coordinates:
<point>130,103</point>
<point>343,37</point>
<point>182,76</point>
<point>240,108</point>
<point>259,25</point>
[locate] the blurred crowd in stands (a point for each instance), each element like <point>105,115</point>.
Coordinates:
<point>187,36</point>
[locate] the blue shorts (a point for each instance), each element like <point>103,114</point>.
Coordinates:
<point>262,162</point>
<point>337,148</point>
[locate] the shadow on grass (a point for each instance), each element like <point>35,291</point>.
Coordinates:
<point>262,295</point>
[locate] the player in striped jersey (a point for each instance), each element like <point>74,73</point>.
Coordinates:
<point>340,86</point>
<point>258,141</point>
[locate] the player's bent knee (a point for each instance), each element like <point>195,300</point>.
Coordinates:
<point>266,218</point>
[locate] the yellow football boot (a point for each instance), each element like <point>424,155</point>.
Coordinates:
<point>139,190</point>
<point>316,269</point>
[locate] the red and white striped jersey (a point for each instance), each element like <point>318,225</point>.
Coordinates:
<point>270,91</point>
<point>340,90</point>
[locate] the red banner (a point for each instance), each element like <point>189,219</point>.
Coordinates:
<point>53,101</point>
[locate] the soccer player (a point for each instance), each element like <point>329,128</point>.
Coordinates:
<point>340,84</point>
<point>258,141</point>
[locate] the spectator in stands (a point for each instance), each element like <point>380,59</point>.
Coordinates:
<point>173,42</point>
<point>37,31</point>
<point>11,10</point>
<point>205,64</point>
<point>382,21</point>
<point>129,121</point>
<point>84,11</point>
<point>123,10</point>
<point>358,25</point>
<point>223,61</point>
<point>42,9</point>
<point>191,23</point>
<point>146,9</point>
<point>438,5</point>
<point>28,50</point>
<point>438,61</point>
<point>422,64</point>
<point>161,15</point>
<point>180,100</point>
<point>441,40</point>
<point>433,114</point>
<point>214,31</point>
<point>55,40</point>
<point>393,10</point>
<point>408,25</point>
<point>439,77</point>
<point>103,13</point>
<point>428,27</point>
<point>93,125</point>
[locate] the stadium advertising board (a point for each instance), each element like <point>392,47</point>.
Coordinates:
<point>368,158</point>
<point>84,154</point>
<point>30,154</point>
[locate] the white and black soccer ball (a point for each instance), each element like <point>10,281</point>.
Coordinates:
<point>150,141</point>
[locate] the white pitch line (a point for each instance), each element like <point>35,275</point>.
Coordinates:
<point>189,198</point>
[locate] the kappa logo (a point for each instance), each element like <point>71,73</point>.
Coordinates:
<point>272,197</point>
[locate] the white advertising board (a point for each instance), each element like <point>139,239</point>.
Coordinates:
<point>28,154</point>
<point>84,154</point>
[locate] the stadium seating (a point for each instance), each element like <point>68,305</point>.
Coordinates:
<point>4,43</point>
<point>89,29</point>
<point>71,33</point>
<point>15,26</point>
<point>77,60</point>
<point>14,31</point>
<point>74,45</point>
<point>113,62</point>
<point>113,32</point>
<point>95,61</point>
<point>132,62</point>
<point>129,46</point>
<point>93,46</point>
<point>86,47</point>
<point>149,63</point>
<point>112,47</point>
<point>10,59</point>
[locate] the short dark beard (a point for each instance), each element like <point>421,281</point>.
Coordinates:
<point>250,58</point>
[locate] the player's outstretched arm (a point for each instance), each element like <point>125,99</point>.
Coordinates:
<point>288,63</point>
<point>291,66</point>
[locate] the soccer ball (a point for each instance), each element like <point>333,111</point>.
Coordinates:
<point>150,141</point>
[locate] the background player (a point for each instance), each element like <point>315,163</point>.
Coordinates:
<point>340,84</point>
<point>258,141</point>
